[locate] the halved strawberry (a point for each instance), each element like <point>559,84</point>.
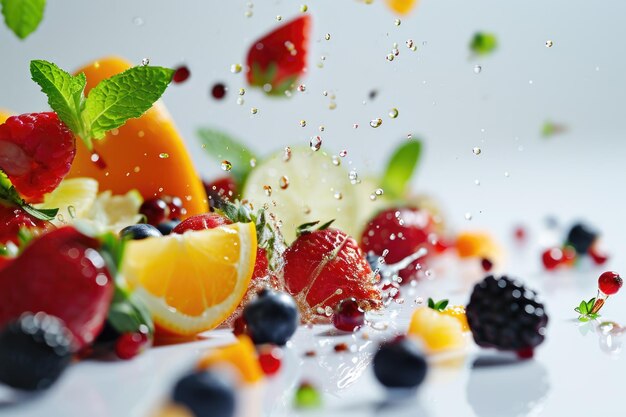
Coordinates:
<point>279,58</point>
<point>36,152</point>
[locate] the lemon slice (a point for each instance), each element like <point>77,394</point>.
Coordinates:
<point>194,281</point>
<point>73,197</point>
<point>316,189</point>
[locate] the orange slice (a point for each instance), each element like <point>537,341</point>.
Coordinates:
<point>240,355</point>
<point>194,281</point>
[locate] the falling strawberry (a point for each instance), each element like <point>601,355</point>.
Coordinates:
<point>36,152</point>
<point>62,274</point>
<point>279,58</point>
<point>323,267</point>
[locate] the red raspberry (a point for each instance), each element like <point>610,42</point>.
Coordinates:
<point>36,152</point>
<point>12,219</point>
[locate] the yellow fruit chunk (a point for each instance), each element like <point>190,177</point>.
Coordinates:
<point>439,332</point>
<point>4,115</point>
<point>146,154</point>
<point>458,312</point>
<point>73,197</point>
<point>477,245</point>
<point>241,355</point>
<point>194,281</point>
<point>402,6</point>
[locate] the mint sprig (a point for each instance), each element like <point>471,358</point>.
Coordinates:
<point>23,16</point>
<point>584,310</point>
<point>437,305</point>
<point>400,168</point>
<point>9,194</point>
<point>109,104</point>
<point>222,146</point>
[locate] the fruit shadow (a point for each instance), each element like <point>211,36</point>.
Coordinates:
<point>397,403</point>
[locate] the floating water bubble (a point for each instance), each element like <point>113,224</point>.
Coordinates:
<point>338,195</point>
<point>343,153</point>
<point>390,57</point>
<point>283,182</point>
<point>248,13</point>
<point>379,191</point>
<point>327,36</point>
<point>268,190</point>
<point>373,197</point>
<point>477,182</point>
<point>325,93</point>
<point>279,18</point>
<point>304,8</point>
<point>395,51</point>
<point>336,160</point>
<point>71,211</point>
<point>397,22</point>
<point>315,143</point>
<point>226,165</point>
<point>355,126</point>
<point>353,176</point>
<point>145,61</point>
<point>138,21</point>
<point>477,69</point>
<point>321,128</point>
<point>393,113</point>
<point>506,174</point>
<point>302,87</point>
<point>164,155</point>
<point>549,43</point>
<point>476,150</point>
<point>287,154</point>
<point>235,68</point>
<point>254,110</point>
<point>242,91</point>
<point>376,122</point>
<point>413,48</point>
<point>468,216</point>
<point>252,162</point>
<point>240,101</point>
<point>409,43</point>
<point>332,105</point>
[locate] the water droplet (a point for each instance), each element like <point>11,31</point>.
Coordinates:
<point>379,191</point>
<point>279,18</point>
<point>315,143</point>
<point>138,21</point>
<point>476,150</point>
<point>390,57</point>
<point>336,160</point>
<point>477,182</point>
<point>287,154</point>
<point>338,195</point>
<point>376,122</point>
<point>327,36</point>
<point>242,91</point>
<point>60,218</point>
<point>506,174</point>
<point>373,197</point>
<point>325,93</point>
<point>397,22</point>
<point>302,88</point>
<point>72,211</point>
<point>355,126</point>
<point>268,190</point>
<point>477,69</point>
<point>332,105</point>
<point>304,8</point>
<point>283,182</point>
<point>235,68</point>
<point>226,165</point>
<point>302,123</point>
<point>343,153</point>
<point>393,113</point>
<point>240,101</point>
<point>164,155</point>
<point>145,62</point>
<point>307,210</point>
<point>254,110</point>
<point>409,43</point>
<point>468,216</point>
<point>395,51</point>
<point>328,311</point>
<point>252,162</point>
<point>353,176</point>
<point>549,43</point>
<point>321,128</point>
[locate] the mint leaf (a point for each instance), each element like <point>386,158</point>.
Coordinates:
<point>582,308</point>
<point>9,194</point>
<point>400,168</point>
<point>221,147</point>
<point>65,92</point>
<point>441,305</point>
<point>431,303</point>
<point>23,16</point>
<point>483,43</point>
<point>127,314</point>
<point>124,96</point>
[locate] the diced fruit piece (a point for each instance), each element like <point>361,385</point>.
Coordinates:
<point>399,364</point>
<point>477,245</point>
<point>205,394</point>
<point>439,332</point>
<point>218,91</point>
<point>129,345</point>
<point>241,355</point>
<point>12,219</point>
<point>61,274</point>
<point>307,396</point>
<point>399,233</point>
<point>272,317</point>
<point>348,315</point>
<point>270,359</point>
<point>504,314</point>
<point>317,190</point>
<point>610,282</point>
<point>139,231</point>
<point>34,351</point>
<point>156,211</point>
<point>133,156</point>
<point>74,197</point>
<point>556,257</point>
<point>322,267</point>
<point>192,282</point>
<point>181,74</point>
<point>402,6</point>
<point>581,237</point>
<point>202,222</point>
<point>113,212</point>
<point>458,312</point>
<point>279,58</point>
<point>36,153</point>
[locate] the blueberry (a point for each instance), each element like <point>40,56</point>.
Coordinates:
<point>400,364</point>
<point>34,351</point>
<point>272,317</point>
<point>205,393</point>
<point>581,238</point>
<point>167,226</point>
<point>139,231</point>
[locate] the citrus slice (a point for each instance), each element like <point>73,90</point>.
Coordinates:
<point>240,355</point>
<point>194,281</point>
<point>73,197</point>
<point>308,187</point>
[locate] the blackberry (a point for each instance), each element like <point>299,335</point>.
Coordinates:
<point>504,314</point>
<point>34,351</point>
<point>581,237</point>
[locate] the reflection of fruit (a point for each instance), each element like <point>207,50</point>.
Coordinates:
<point>322,267</point>
<point>317,190</point>
<point>61,274</point>
<point>34,351</point>
<point>272,317</point>
<point>12,219</point>
<point>205,394</point>
<point>438,331</point>
<point>610,282</point>
<point>146,153</point>
<point>400,364</point>
<point>73,197</point>
<point>241,355</point>
<point>36,152</point>
<point>192,282</point>
<point>458,312</point>
<point>504,314</point>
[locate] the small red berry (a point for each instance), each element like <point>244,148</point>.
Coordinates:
<point>270,359</point>
<point>155,210</point>
<point>348,315</point>
<point>520,233</point>
<point>610,282</point>
<point>181,74</point>
<point>552,258</point>
<point>130,345</point>
<point>486,264</point>
<point>175,204</point>
<point>526,353</point>
<point>598,257</point>
<point>218,91</point>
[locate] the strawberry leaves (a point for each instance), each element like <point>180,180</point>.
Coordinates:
<point>23,16</point>
<point>585,310</point>
<point>437,305</point>
<point>310,227</point>
<point>9,194</point>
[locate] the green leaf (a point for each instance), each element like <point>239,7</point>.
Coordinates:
<point>222,146</point>
<point>483,43</point>
<point>65,92</point>
<point>441,305</point>
<point>124,96</point>
<point>400,168</point>
<point>583,307</point>
<point>326,225</point>
<point>9,194</point>
<point>431,303</point>
<point>23,16</point>
<point>590,304</point>
<point>127,314</point>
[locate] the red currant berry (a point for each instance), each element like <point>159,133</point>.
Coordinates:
<point>520,233</point>
<point>270,359</point>
<point>610,282</point>
<point>175,204</point>
<point>598,257</point>
<point>130,345</point>
<point>218,91</point>
<point>552,258</point>
<point>181,74</point>
<point>486,264</point>
<point>348,315</point>
<point>239,326</point>
<point>155,210</point>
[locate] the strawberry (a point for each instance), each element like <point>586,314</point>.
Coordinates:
<point>325,266</point>
<point>36,152</point>
<point>279,58</point>
<point>62,274</point>
<point>13,218</point>
<point>401,232</point>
